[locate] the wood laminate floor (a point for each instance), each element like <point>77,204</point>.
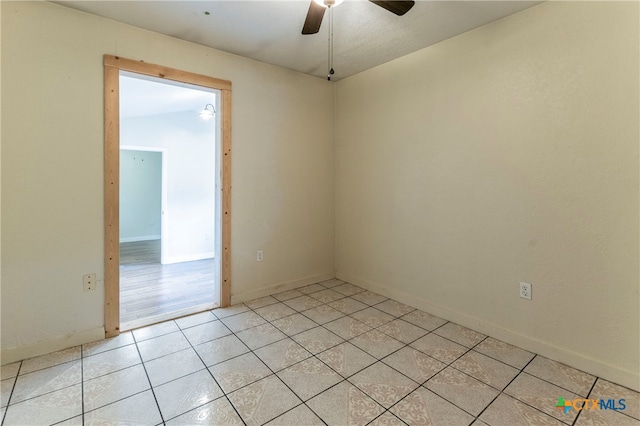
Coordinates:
<point>150,290</point>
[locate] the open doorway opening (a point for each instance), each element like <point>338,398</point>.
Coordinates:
<point>167,193</point>
<point>168,238</point>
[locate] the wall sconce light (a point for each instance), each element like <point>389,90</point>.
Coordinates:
<point>208,112</point>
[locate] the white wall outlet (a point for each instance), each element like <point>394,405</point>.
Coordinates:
<point>525,290</point>
<point>259,256</point>
<point>89,282</point>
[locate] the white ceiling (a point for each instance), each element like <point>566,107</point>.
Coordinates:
<point>365,35</point>
<point>144,96</point>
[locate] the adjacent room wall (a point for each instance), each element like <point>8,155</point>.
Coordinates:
<point>189,144</point>
<point>506,154</point>
<point>140,195</point>
<point>52,170</point>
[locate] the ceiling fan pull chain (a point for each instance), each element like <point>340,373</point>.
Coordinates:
<point>331,71</point>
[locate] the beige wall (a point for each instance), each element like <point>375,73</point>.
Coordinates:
<point>52,169</point>
<point>506,154</point>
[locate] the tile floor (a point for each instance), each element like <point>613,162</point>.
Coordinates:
<point>329,353</point>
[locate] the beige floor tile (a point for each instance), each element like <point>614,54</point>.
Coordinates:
<point>317,339</point>
<point>218,412</point>
<point>260,336</point>
<point>326,295</point>
<point>301,415</point>
<point>541,395</point>
<point>331,283</point>
<point>561,375</point>
<point>243,321</point>
<point>387,419</point>
<point>49,360</point>
<point>370,298</point>
<point>230,311</point>
<point>46,409</point>
<point>196,319</point>
<point>173,366</point>
<point>414,364</point>
<point>186,393</point>
<point>607,390</point>
<point>347,327</point>
<point>346,359</point>
<point>6,387</point>
<point>162,345</point>
<point>312,288</point>
<point>275,311</point>
<point>282,354</point>
<point>402,331</point>
<point>507,411</point>
<point>394,308</point>
<point>260,302</point>
<point>424,320</point>
<point>376,343</point>
<point>239,372</point>
<point>423,407</point>
<point>323,314</point>
<point>74,421</point>
<point>345,404</point>
<point>206,332</point>
<point>123,339</point>
<point>440,348</point>
<point>9,370</point>
<point>470,394</point>
<point>372,317</point>
<point>46,380</point>
<point>294,324</point>
<point>605,418</point>
<point>302,303</point>
<point>112,387</point>
<point>460,334</point>
<point>139,409</point>
<point>109,361</point>
<point>382,383</point>
<point>309,377</point>
<point>504,352</point>
<point>348,305</point>
<point>220,350</point>
<point>263,400</point>
<point>155,330</point>
<point>347,289</point>
<point>494,373</point>
<point>286,295</point>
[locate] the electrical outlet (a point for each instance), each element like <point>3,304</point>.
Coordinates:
<point>259,256</point>
<point>525,290</point>
<point>89,282</point>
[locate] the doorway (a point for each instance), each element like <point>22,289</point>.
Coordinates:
<point>175,247</point>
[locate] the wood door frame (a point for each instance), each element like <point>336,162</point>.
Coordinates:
<point>112,67</point>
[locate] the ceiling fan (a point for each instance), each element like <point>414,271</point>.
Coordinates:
<point>317,7</point>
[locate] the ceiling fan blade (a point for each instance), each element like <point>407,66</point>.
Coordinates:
<point>397,7</point>
<point>314,19</point>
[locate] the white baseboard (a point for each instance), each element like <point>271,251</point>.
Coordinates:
<point>142,238</point>
<point>189,258</point>
<point>278,288</point>
<point>577,360</point>
<point>19,353</point>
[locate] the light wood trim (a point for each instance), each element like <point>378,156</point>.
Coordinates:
<point>111,201</point>
<point>144,68</point>
<point>225,291</point>
<point>112,67</point>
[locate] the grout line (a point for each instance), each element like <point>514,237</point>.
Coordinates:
<point>147,374</point>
